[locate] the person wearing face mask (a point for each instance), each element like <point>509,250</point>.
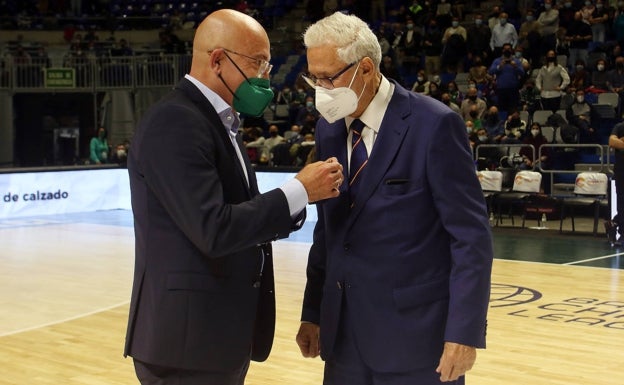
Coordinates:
<point>598,21</point>
<point>537,139</point>
<point>549,19</point>
<point>478,37</point>
<point>552,79</point>
<point>493,124</point>
<point>487,157</point>
<point>503,33</point>
<point>529,37</point>
<point>579,116</point>
<point>98,147</point>
<point>307,108</point>
<point>578,36</point>
<point>453,46</point>
<point>470,102</point>
<point>447,99</point>
<point>600,77</point>
<point>515,129</point>
<point>530,97</point>
<point>615,81</point>
<point>407,46</point>
<point>432,46</point>
<point>203,303</point>
<point>509,73</point>
<point>587,11</point>
<point>408,161</point>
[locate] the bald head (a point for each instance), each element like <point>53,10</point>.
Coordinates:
<point>224,38</point>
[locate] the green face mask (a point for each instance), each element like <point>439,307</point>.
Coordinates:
<point>253,96</point>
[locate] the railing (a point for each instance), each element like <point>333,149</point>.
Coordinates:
<point>93,74</point>
<point>556,152</point>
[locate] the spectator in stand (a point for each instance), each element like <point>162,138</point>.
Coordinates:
<point>407,46</point>
<point>551,80</point>
<point>587,11</point>
<point>269,143</point>
<point>478,38</point>
<point>493,124</point>
<point>474,116</point>
<point>434,90</point>
<point>599,77</point>
<point>456,95</point>
<point>487,157</point>
<point>578,36</point>
<point>446,99</point>
<point>615,81</point>
<point>529,38</point>
<point>432,47</point>
<point>420,83</point>
<point>530,97</point>
<point>514,129</point>
<point>579,115</point>
<point>503,33</point>
<point>537,139</point>
<point>307,108</point>
<point>493,19</point>
<point>453,46</point>
<point>526,65</point>
<point>98,147</point>
<point>470,101</point>
<point>121,48</point>
<point>478,74</point>
<point>120,155</point>
<point>566,14</point>
<point>390,70</point>
<point>509,73</point>
<point>21,57</point>
<point>580,78</point>
<point>618,29</point>
<point>549,19</point>
<point>598,21</point>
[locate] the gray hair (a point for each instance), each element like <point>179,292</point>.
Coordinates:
<point>352,37</point>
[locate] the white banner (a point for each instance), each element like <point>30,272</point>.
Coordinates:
<point>62,192</point>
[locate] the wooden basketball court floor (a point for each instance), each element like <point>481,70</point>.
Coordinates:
<point>556,312</point>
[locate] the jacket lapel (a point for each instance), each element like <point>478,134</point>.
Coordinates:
<point>195,95</point>
<point>389,139</point>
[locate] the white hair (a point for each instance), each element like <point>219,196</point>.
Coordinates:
<point>352,37</point>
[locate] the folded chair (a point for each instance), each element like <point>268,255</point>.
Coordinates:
<point>590,190</point>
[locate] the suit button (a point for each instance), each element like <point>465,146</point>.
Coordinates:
<point>339,284</point>
<point>347,246</point>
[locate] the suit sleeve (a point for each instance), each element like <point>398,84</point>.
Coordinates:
<point>183,169</point>
<point>461,206</point>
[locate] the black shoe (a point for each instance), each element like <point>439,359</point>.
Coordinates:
<point>611,229</point>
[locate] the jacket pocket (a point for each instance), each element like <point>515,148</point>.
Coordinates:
<point>413,296</point>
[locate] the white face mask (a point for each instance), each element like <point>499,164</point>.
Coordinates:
<point>580,99</point>
<point>534,132</point>
<point>339,102</point>
<point>483,138</point>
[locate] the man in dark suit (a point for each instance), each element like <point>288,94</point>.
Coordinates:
<point>203,300</point>
<point>399,270</point>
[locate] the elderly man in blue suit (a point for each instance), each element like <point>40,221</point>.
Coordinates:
<point>399,270</point>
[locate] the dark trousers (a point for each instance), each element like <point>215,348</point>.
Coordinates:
<point>346,366</point>
<point>149,374</point>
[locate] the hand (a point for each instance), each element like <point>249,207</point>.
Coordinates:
<point>456,360</point>
<point>308,339</point>
<point>321,180</point>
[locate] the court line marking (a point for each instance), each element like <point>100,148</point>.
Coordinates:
<point>593,259</point>
<point>41,326</point>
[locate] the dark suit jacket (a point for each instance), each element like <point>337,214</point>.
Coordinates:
<point>197,229</point>
<point>413,258</point>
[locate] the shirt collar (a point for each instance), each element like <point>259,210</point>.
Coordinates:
<point>374,113</point>
<point>229,118</point>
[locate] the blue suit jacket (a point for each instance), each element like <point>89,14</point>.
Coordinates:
<point>413,258</point>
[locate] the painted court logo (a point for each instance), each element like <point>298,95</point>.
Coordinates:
<point>525,302</point>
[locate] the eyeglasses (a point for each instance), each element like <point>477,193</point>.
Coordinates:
<point>264,67</point>
<point>327,82</point>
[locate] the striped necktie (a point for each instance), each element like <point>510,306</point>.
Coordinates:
<point>359,158</point>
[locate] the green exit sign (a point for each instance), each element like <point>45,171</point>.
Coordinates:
<point>60,78</point>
